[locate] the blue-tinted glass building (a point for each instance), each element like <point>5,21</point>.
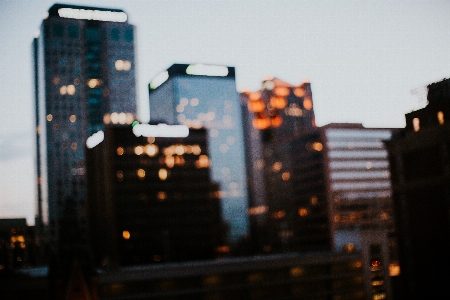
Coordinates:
<point>198,96</point>
<point>84,76</point>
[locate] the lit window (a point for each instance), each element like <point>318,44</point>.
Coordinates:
<point>126,234</point>
<point>202,162</point>
<point>307,104</point>
<point>394,269</point>
<point>162,174</point>
<point>150,139</point>
<point>71,89</point>
<point>151,150</point>
<point>119,175</point>
<point>73,146</point>
<point>140,173</point>
<point>286,176</point>
<point>73,118</point>
<point>440,116</point>
<point>119,65</point>
<point>180,108</point>
<point>161,196</point>
<point>114,118</point>
<point>56,80</point>
<point>416,124</point>
<point>277,166</point>
<point>120,151</point>
<point>299,92</point>
<point>297,271</point>
<point>138,150</point>
<point>314,200</point>
<point>63,90</point>
<point>130,118</point>
<point>93,83</point>
<point>170,161</point>
<point>317,146</point>
<point>278,214</point>
<point>122,118</point>
<point>184,101</point>
<point>126,65</point>
<point>106,119</point>
<point>196,150</point>
<point>49,117</point>
<point>302,212</point>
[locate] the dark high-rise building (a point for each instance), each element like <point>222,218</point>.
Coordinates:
<point>151,199</point>
<point>200,95</point>
<point>84,71</point>
<point>272,116</point>
<point>420,174</point>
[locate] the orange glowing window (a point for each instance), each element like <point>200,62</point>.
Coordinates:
<point>416,124</point>
<point>140,173</point>
<point>286,176</point>
<point>307,104</point>
<point>126,234</point>
<point>302,212</point>
<point>440,116</point>
<point>138,150</point>
<point>281,91</point>
<point>299,92</point>
<point>120,151</point>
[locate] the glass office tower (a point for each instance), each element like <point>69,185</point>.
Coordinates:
<point>84,74</point>
<point>199,95</point>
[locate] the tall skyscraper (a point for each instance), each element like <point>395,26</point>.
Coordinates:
<point>420,166</point>
<point>84,73</point>
<point>200,95</point>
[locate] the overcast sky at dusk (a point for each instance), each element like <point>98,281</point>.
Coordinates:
<point>363,59</point>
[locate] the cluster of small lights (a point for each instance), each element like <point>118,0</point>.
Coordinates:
<point>122,65</point>
<point>67,89</point>
<point>118,118</point>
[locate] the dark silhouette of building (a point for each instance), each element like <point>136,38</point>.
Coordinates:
<point>420,173</point>
<point>199,95</point>
<point>152,199</point>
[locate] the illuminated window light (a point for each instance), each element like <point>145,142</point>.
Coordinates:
<point>114,118</point>
<point>317,146</point>
<point>307,104</point>
<point>180,108</point>
<point>138,150</point>
<point>126,65</point>
<point>257,210</point>
<point>151,150</point>
<point>122,118</point>
<point>126,234</point>
<point>151,140</point>
<point>170,161</point>
<point>416,124</point>
<point>207,70</point>
<point>202,162</point>
<point>179,149</point>
<point>119,175</point>
<point>49,117</point>
<point>297,271</point>
<point>163,174</point>
<point>196,150</point>
<point>299,92</point>
<point>120,151</point>
<point>71,89</point>
<point>73,146</point>
<point>277,166</point>
<point>56,80</point>
<point>278,214</point>
<point>119,64</point>
<point>440,116</point>
<point>302,212</point>
<point>63,90</point>
<point>254,96</point>
<point>281,91</point>
<point>286,176</point>
<point>159,79</point>
<point>184,101</point>
<point>394,269</point>
<point>88,14</point>
<point>93,83</point>
<point>106,119</point>
<point>161,196</point>
<point>141,173</point>
<point>95,139</point>
<point>72,118</point>
<point>129,118</point>
<point>314,200</point>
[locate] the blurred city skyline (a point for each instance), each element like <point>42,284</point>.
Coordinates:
<point>367,62</point>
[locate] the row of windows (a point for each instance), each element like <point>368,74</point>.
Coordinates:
<point>72,31</point>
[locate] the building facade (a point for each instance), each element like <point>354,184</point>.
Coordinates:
<point>420,167</point>
<point>151,199</point>
<point>197,96</point>
<point>84,73</point>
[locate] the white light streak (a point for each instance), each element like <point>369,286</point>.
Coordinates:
<point>87,14</point>
<point>95,139</point>
<point>160,130</point>
<point>207,70</point>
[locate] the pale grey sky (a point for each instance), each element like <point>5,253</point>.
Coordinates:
<point>363,59</point>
